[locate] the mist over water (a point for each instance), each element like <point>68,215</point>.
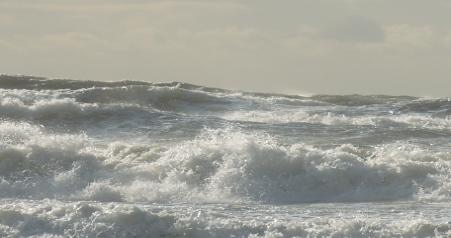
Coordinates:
<point>138,159</point>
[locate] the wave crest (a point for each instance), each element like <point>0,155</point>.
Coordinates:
<point>219,165</point>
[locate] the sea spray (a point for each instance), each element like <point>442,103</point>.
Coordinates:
<point>121,159</point>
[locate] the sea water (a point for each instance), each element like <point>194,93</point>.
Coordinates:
<point>138,159</point>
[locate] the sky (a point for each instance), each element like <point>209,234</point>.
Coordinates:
<point>397,47</point>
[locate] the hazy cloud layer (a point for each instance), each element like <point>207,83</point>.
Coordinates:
<point>333,46</point>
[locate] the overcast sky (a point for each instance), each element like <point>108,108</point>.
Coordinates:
<point>295,46</point>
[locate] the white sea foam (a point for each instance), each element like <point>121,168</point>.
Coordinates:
<point>219,165</point>
<point>52,107</point>
<point>136,159</point>
<point>50,218</point>
<point>301,116</point>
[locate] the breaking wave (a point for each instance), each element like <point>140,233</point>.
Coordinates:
<point>129,159</point>
<point>55,219</point>
<point>38,99</point>
<point>217,166</point>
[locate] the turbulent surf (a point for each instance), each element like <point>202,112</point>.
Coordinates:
<point>139,159</point>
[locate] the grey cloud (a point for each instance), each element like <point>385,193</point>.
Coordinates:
<point>355,29</point>
<point>262,45</point>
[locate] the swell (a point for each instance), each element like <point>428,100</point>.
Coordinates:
<point>39,83</point>
<point>440,107</point>
<point>68,112</point>
<point>101,100</point>
<point>360,100</point>
<point>400,121</point>
<point>100,105</point>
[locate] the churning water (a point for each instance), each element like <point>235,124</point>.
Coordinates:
<point>136,159</point>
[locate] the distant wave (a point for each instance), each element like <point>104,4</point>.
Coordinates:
<point>176,96</point>
<point>129,159</point>
<point>38,83</point>
<point>114,141</point>
<point>80,104</point>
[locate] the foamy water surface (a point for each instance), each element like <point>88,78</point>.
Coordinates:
<point>136,159</point>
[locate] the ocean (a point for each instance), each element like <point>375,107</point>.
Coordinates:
<point>139,159</point>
